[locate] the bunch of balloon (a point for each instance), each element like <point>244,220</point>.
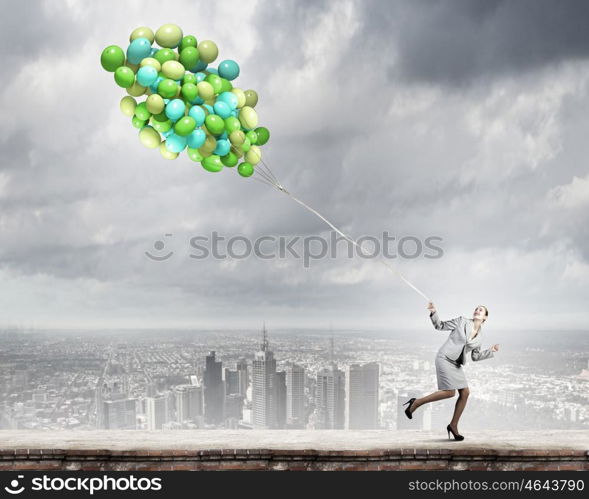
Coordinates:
<point>188,105</point>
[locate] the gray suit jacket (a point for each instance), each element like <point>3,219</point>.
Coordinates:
<point>457,346</point>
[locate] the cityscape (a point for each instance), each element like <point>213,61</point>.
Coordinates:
<point>300,379</point>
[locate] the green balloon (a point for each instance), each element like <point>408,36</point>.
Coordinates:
<point>232,124</point>
<point>155,104</point>
<point>245,169</point>
<point>137,123</point>
<point>215,124</point>
<point>141,111</point>
<point>161,116</point>
<point>215,81</point>
<point>149,137</point>
<point>187,41</point>
<point>251,98</point>
<point>208,51</point>
<point>226,85</point>
<point>189,57</point>
<point>112,57</point>
<point>245,147</point>
<point>161,126</point>
<point>168,35</point>
<point>167,88</point>
<point>189,78</point>
<point>185,126</point>
<point>189,92</point>
<point>124,77</point>
<point>230,159</point>
<point>164,55</point>
<point>212,163</point>
<point>252,136</point>
<point>195,155</point>
<point>128,105</point>
<point>263,135</point>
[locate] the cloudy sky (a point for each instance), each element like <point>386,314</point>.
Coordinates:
<point>465,120</point>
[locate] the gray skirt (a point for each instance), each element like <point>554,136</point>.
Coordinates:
<point>449,373</point>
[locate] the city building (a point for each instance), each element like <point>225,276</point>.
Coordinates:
<point>295,396</point>
<point>214,391</point>
<point>330,398</point>
<point>264,403</point>
<point>362,384</point>
<point>155,412</point>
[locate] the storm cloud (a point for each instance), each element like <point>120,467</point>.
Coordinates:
<point>459,119</point>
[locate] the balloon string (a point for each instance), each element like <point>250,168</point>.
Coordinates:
<point>271,180</point>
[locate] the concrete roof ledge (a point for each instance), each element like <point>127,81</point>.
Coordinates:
<point>293,449</point>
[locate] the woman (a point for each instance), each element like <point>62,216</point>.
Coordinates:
<point>465,338</point>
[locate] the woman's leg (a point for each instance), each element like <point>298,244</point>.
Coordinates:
<point>463,394</point>
<point>432,397</point>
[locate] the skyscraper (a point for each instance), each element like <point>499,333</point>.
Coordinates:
<point>231,382</point>
<point>330,398</point>
<point>280,398</point>
<point>362,382</point>
<point>264,414</point>
<point>295,396</point>
<point>243,380</point>
<point>120,414</point>
<point>155,412</point>
<point>189,404</point>
<point>214,392</point>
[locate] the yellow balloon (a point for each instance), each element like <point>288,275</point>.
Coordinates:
<point>155,104</point>
<point>210,102</point>
<point>210,144</point>
<point>240,97</point>
<point>142,32</point>
<point>173,70</point>
<point>134,67</point>
<point>165,153</point>
<point>207,51</point>
<point>128,105</point>
<point>150,61</point>
<point>254,155</point>
<point>248,117</point>
<point>149,137</point>
<point>136,90</point>
<point>168,36</point>
<point>205,153</point>
<point>237,151</point>
<point>205,90</point>
<point>237,138</point>
<point>251,98</point>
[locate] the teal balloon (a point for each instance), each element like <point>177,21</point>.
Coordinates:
<point>198,114</point>
<point>146,76</point>
<point>175,143</point>
<point>200,77</point>
<point>200,66</point>
<point>155,84</point>
<point>228,69</point>
<point>175,109</point>
<point>223,147</point>
<point>222,109</point>
<point>138,49</point>
<point>196,139</point>
<point>228,98</point>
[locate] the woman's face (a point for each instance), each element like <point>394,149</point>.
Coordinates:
<point>480,313</point>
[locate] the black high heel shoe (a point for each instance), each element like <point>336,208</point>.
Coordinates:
<point>407,411</point>
<point>456,435</point>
